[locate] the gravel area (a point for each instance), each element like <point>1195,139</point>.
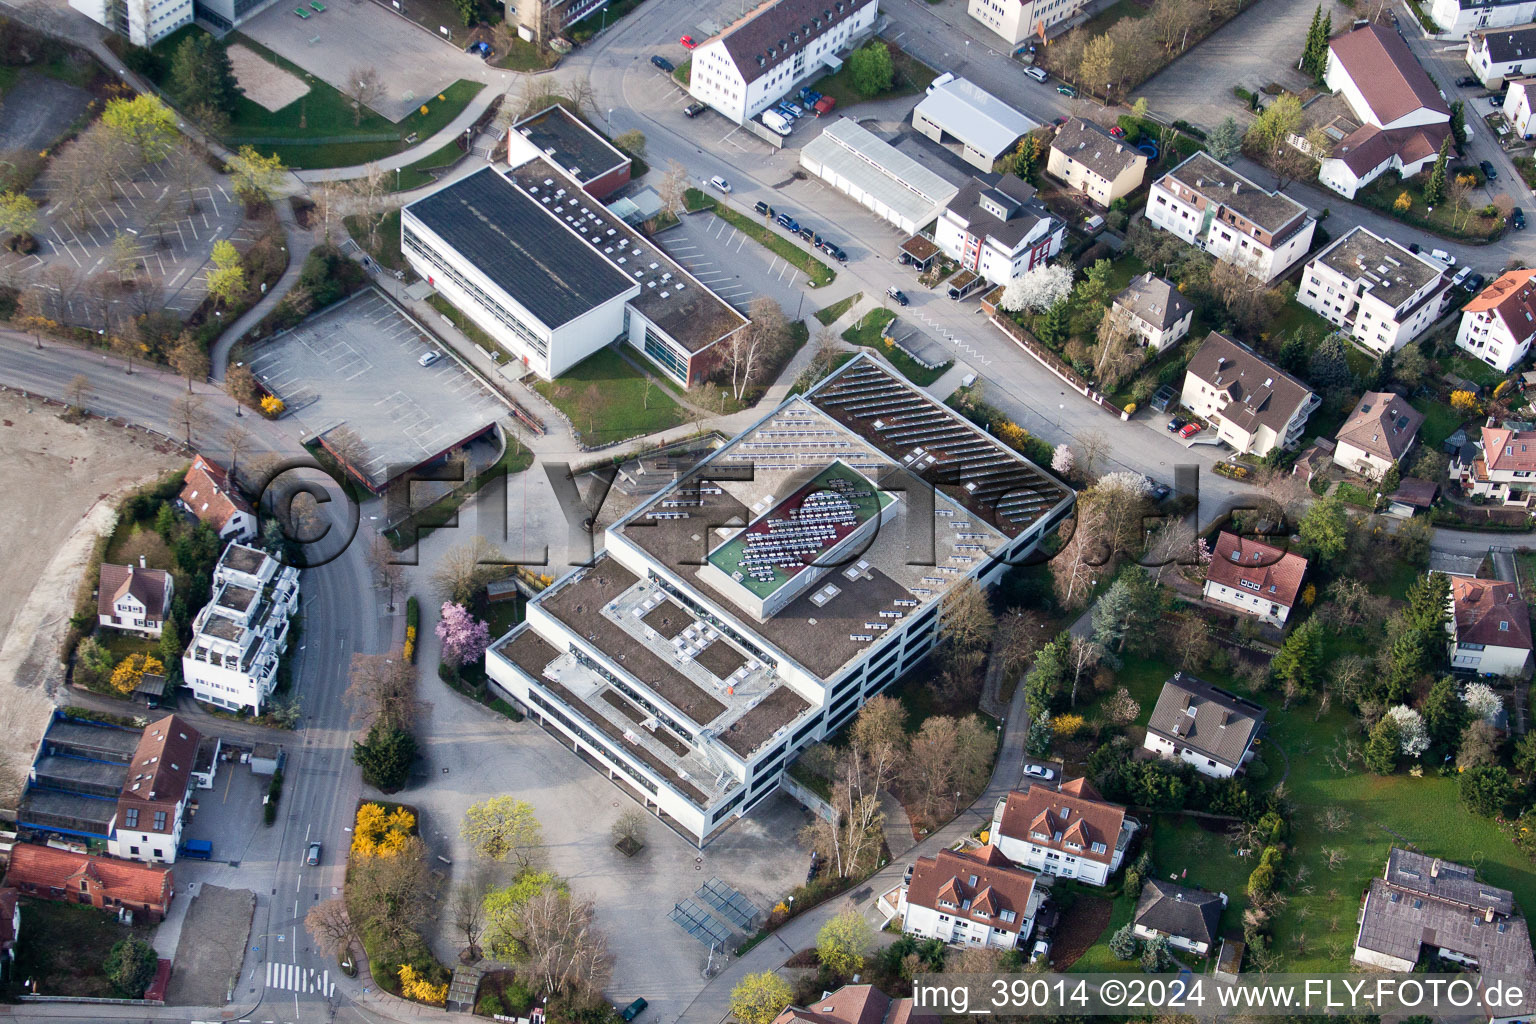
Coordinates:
<point>212,946</point>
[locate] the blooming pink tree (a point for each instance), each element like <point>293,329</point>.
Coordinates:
<point>464,637</point>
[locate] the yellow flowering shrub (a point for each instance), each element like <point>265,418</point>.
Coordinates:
<point>272,406</point>
<point>380,833</point>
<point>413,986</point>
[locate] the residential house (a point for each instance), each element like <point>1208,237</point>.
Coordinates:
<point>1500,467</point>
<point>1188,918</point>
<point>1205,726</point>
<point>155,792</point>
<point>1459,18</point>
<point>971,120</point>
<point>239,636</point>
<point>1094,162</point>
<point>10,923</point>
<point>1500,54</point>
<point>134,599</point>
<point>540,21</point>
<point>209,496</point>
<point>1254,578</point>
<point>764,55</point>
<point>1158,314</point>
<point>1210,205</point>
<point>1253,405</point>
<point>856,1004</point>
<point>999,231</point>
<point>1379,292</point>
<point>1017,20</point>
<point>1072,832</point>
<point>1422,901</point>
<point>1490,628</point>
<point>1519,102</point>
<point>1377,434</point>
<point>1403,118</point>
<point>102,882</point>
<point>1498,324</point>
<point>971,899</point>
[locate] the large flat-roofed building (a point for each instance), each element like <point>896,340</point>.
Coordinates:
<point>877,175</point>
<point>984,127</point>
<point>1382,294</point>
<point>751,607</point>
<point>552,276</point>
<point>566,141</point>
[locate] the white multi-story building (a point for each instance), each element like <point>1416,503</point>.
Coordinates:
<point>239,636</point>
<point>1094,162</point>
<point>1520,103</point>
<point>1157,313</point>
<point>553,276</point>
<point>1210,205</point>
<point>1490,627</point>
<point>976,898</point>
<point>1500,466</point>
<point>763,56</point>
<point>1380,293</point>
<point>1212,729</point>
<point>1254,578</point>
<point>1017,20</point>
<point>1403,118</point>
<point>144,22</point>
<point>1496,56</point>
<point>1072,832</point>
<point>1459,18</point>
<point>1254,406</point>
<point>155,793</point>
<point>1498,324</point>
<point>752,606</point>
<point>999,231</point>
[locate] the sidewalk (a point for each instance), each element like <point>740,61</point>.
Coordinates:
<point>300,242</point>
<point>468,116</point>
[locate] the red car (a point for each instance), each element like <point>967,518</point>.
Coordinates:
<point>1117,132</point>
<point>1190,430</point>
<point>688,42</point>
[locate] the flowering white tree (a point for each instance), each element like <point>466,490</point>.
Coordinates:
<point>1410,729</point>
<point>1039,289</point>
<point>1062,460</point>
<point>1132,485</point>
<point>1482,703</point>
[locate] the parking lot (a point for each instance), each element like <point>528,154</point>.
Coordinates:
<point>357,364</point>
<point>734,266</point>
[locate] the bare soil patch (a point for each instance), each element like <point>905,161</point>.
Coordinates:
<point>1079,930</point>
<point>265,83</point>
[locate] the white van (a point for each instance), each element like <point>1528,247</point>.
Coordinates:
<point>777,121</point>
<point>943,79</point>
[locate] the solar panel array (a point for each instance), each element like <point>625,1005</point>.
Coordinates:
<point>697,922</point>
<point>731,904</point>
<point>799,439</point>
<point>806,531</point>
<point>928,440</point>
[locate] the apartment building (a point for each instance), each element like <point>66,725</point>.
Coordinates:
<point>142,22</point>
<point>1500,465</point>
<point>1377,291</point>
<point>1254,578</point>
<point>999,231</point>
<point>1158,314</point>
<point>1460,18</point>
<point>1094,162</point>
<point>1519,103</point>
<point>766,54</point>
<point>239,636</point>
<point>1211,206</point>
<point>155,792</point>
<point>749,608</point>
<point>1202,725</point>
<point>1072,832</point>
<point>1498,324</point>
<point>1253,405</point>
<point>1017,20</point>
<point>1499,55</point>
<point>972,899</point>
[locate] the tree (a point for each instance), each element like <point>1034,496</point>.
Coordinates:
<point>759,998</point>
<point>1156,957</point>
<point>391,896</point>
<point>1300,660</point>
<point>241,385</point>
<point>843,943</point>
<point>203,76</point>
<point>504,910</point>
<point>1479,746</point>
<point>1037,742</point>
<point>464,637</point>
<point>145,122</point>
<point>130,966</point>
<point>255,177</point>
<point>930,762</point>
<point>1383,747</point>
<point>1525,755</point>
<point>188,412</point>
<point>1314,54</point>
<point>968,621</point>
<point>1459,123</point>
<point>1061,460</point>
<point>631,142</point>
<point>673,188</point>
<point>1444,714</point>
<point>1328,366</point>
<point>1083,655</point>
<point>975,746</point>
<point>130,672</point>
<point>386,573</point>
<point>1122,944</point>
<point>365,87</point>
<point>1279,120</point>
<point>628,829</point>
<point>1226,142</point>
<point>190,359</point>
<point>1038,289</point>
<point>1434,188</point>
<point>747,349</point>
<point>465,569</point>
<point>468,907</point>
<point>1486,789</point>
<point>503,827</point>
<point>78,391</point>
<point>1053,327</point>
<point>1098,63</point>
<point>1482,702</point>
<point>566,955</point>
<point>381,690</point>
<point>18,214</point>
<point>1126,615</point>
<point>1324,530</point>
<point>385,756</point>
<point>329,924</point>
<point>1466,403</point>
<point>226,279</point>
<point>1412,737</point>
<point>872,68</point>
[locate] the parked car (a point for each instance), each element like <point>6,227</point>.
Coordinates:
<point>1443,257</point>
<point>787,222</point>
<point>1461,275</point>
<point>1067,91</point>
<point>1468,82</point>
<point>834,250</point>
<point>481,49</point>
<point>720,184</point>
<point>429,358</point>
<point>763,208</point>
<point>313,857</point>
<point>1038,74</point>
<point>782,109</point>
<point>1042,951</point>
<point>1517,218</point>
<point>794,109</point>
<point>898,295</point>
<point>635,1008</point>
<point>663,64</point>
<point>1190,430</point>
<point>906,878</point>
<point>695,109</point>
<point>808,235</point>
<point>1157,490</point>
<point>1036,771</point>
<point>1117,132</point>
<point>1060,121</point>
<point>1475,283</point>
<point>777,122</point>
<point>1489,170</point>
<point>1175,425</point>
<point>687,42</point>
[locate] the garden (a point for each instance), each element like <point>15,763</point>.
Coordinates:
<point>607,399</point>
<point>878,68</point>
<point>869,333</point>
<point>69,949</point>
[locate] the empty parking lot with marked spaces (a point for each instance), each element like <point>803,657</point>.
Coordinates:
<point>358,364</point>
<point>733,265</point>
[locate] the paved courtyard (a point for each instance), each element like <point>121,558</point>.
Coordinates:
<point>356,364</point>
<point>354,34</point>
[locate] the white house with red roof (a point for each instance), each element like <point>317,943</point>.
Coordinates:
<point>155,793</point>
<point>1498,324</point>
<point>1502,466</point>
<point>1072,832</point>
<point>208,495</point>
<point>1403,118</point>
<point>1254,578</point>
<point>134,598</point>
<point>970,899</point>
<point>1377,434</point>
<point>1490,627</point>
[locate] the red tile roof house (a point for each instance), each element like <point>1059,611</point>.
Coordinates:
<point>1072,832</point>
<point>1501,467</point>
<point>1498,324</point>
<point>135,599</point>
<point>1254,578</point>
<point>856,1004</point>
<point>1490,627</point>
<point>1403,117</point>
<point>1377,434</point>
<point>155,793</point>
<point>103,882</point>
<point>209,496</point>
<point>970,899</point>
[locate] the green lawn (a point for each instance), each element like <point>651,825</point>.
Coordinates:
<point>912,77</point>
<point>606,400</point>
<point>1357,496</point>
<point>1440,421</point>
<point>818,272</point>
<point>1446,220</point>
<point>1203,859</point>
<point>868,330</point>
<point>63,948</point>
<point>389,254</point>
<point>828,315</point>
<point>1475,370</point>
<point>910,368</point>
<point>503,615</point>
<point>415,175</point>
<point>526,56</point>
<point>120,644</point>
<point>696,199</point>
<point>1098,959</point>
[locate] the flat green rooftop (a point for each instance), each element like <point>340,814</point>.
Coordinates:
<point>785,540</point>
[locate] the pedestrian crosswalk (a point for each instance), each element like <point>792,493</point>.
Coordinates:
<point>294,978</point>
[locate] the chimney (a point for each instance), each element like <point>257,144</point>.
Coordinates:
<point>1488,915</point>
<point>141,562</point>
<point>1235,187</point>
<point>1226,716</point>
<point>1434,869</point>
